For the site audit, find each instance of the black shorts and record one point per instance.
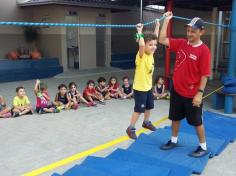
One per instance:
(143, 101)
(182, 107)
(41, 109)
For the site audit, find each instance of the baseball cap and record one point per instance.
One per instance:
(196, 23)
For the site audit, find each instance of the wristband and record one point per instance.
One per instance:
(200, 90)
(138, 36)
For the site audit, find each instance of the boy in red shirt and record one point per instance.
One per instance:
(91, 94)
(191, 71)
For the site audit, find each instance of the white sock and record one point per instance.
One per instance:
(174, 139)
(203, 145)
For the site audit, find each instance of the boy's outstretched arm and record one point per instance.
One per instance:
(156, 31)
(36, 87)
(163, 39)
(141, 41)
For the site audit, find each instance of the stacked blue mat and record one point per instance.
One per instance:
(144, 157)
(28, 69)
(229, 83)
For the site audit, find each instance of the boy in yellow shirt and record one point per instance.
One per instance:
(142, 86)
(21, 103)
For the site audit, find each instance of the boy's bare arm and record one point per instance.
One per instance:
(28, 106)
(141, 41)
(36, 87)
(197, 100)
(101, 90)
(122, 90)
(105, 89)
(156, 31)
(163, 39)
(56, 98)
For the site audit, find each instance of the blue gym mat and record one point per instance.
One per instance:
(55, 174)
(222, 126)
(186, 139)
(190, 130)
(226, 120)
(79, 170)
(124, 155)
(144, 156)
(178, 155)
(123, 168)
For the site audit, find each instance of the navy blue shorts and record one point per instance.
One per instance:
(143, 101)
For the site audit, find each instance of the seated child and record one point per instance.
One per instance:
(76, 97)
(102, 88)
(91, 94)
(114, 88)
(21, 103)
(159, 89)
(5, 111)
(127, 88)
(43, 104)
(62, 99)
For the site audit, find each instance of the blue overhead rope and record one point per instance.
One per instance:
(7, 23)
(209, 23)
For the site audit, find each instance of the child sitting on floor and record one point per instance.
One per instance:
(62, 99)
(5, 111)
(114, 88)
(127, 88)
(91, 94)
(159, 89)
(76, 96)
(102, 88)
(43, 104)
(21, 103)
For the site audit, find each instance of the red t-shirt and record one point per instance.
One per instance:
(192, 62)
(113, 88)
(88, 91)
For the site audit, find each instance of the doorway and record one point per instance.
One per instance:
(101, 41)
(72, 41)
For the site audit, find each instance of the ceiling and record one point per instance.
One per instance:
(128, 4)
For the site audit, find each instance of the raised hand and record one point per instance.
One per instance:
(139, 28)
(168, 15)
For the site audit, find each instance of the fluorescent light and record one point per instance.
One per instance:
(156, 7)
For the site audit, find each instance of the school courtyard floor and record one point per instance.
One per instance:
(35, 141)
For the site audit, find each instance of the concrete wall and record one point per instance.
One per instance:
(53, 40)
(12, 38)
(123, 39)
(88, 37)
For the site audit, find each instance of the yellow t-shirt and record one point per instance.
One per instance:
(17, 101)
(143, 72)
